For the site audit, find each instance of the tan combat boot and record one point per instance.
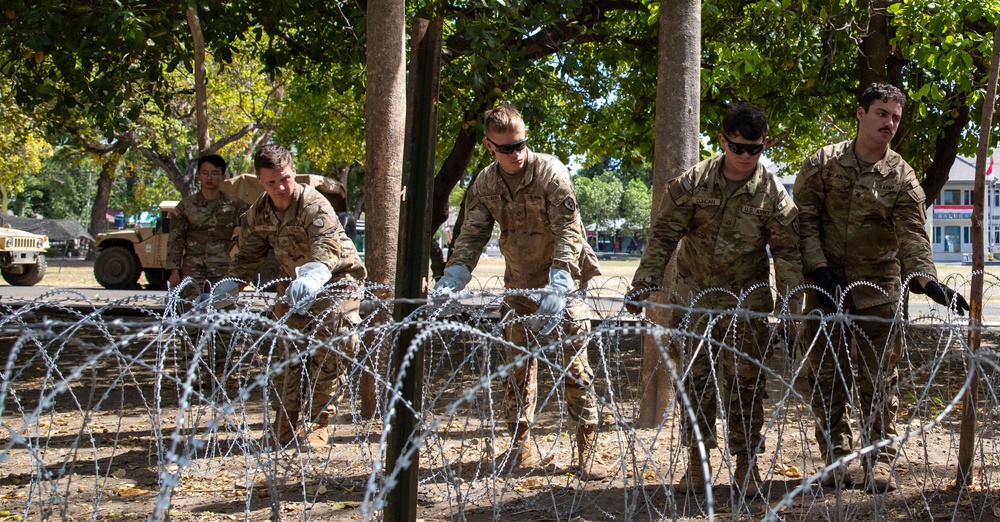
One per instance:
(522, 452)
(747, 478)
(282, 432)
(591, 467)
(693, 480)
(316, 434)
(878, 477)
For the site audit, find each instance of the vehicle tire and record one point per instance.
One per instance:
(156, 278)
(116, 268)
(269, 270)
(31, 276)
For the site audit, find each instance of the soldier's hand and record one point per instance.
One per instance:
(309, 280)
(827, 280)
(943, 295)
(553, 302)
(174, 279)
(640, 292)
(454, 280)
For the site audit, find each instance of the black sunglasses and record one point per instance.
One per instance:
(509, 148)
(739, 148)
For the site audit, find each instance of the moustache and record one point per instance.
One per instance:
(887, 129)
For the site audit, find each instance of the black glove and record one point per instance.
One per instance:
(943, 295)
(827, 280)
(640, 292)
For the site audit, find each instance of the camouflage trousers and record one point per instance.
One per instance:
(733, 363)
(571, 339)
(216, 350)
(313, 382)
(874, 346)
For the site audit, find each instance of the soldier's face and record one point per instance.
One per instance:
(210, 176)
(511, 162)
(742, 155)
(280, 186)
(880, 122)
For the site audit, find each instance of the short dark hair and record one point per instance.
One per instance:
(749, 121)
(883, 92)
(214, 159)
(271, 156)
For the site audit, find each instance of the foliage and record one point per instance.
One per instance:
(599, 199)
(140, 189)
(637, 205)
(22, 150)
(63, 188)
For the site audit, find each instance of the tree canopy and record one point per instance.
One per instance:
(583, 73)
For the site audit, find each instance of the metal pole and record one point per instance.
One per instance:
(412, 262)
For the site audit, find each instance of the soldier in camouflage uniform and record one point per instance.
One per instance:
(544, 245)
(201, 237)
(201, 230)
(860, 209)
(720, 216)
(301, 226)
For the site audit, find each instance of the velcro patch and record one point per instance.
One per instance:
(747, 209)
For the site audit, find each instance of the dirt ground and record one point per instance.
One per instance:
(105, 419)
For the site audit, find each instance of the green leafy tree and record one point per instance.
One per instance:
(22, 149)
(63, 188)
(637, 204)
(599, 199)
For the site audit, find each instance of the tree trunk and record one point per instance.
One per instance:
(200, 79)
(385, 129)
(967, 436)
(99, 212)
(678, 114)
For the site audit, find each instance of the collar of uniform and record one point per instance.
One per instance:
(884, 166)
(750, 187)
(527, 178)
(293, 209)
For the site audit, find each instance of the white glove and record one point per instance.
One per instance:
(309, 279)
(222, 295)
(553, 302)
(454, 279)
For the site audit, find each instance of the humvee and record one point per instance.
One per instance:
(124, 255)
(22, 256)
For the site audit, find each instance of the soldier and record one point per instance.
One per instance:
(542, 240)
(201, 230)
(310, 244)
(860, 209)
(201, 237)
(727, 209)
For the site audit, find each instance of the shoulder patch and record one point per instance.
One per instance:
(318, 222)
(569, 203)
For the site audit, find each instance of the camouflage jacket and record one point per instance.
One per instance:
(859, 222)
(725, 238)
(201, 235)
(308, 231)
(540, 224)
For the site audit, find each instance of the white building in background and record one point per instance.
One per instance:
(949, 220)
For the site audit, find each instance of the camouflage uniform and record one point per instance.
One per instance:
(725, 239)
(540, 227)
(859, 223)
(308, 231)
(201, 236)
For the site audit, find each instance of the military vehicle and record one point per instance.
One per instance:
(22, 256)
(124, 255)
